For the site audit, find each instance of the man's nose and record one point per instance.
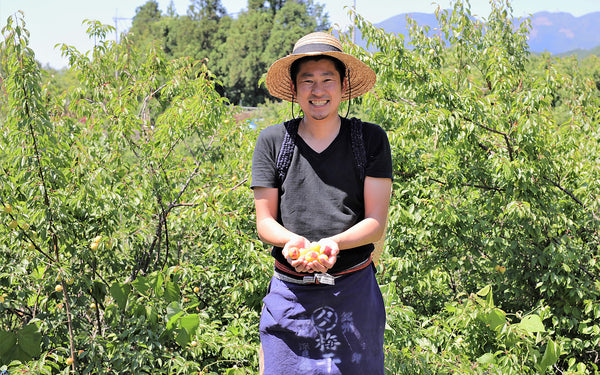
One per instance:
(317, 88)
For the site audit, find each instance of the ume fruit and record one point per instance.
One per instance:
(294, 253)
(313, 253)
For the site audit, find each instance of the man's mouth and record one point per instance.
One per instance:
(319, 102)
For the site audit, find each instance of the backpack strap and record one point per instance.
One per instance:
(286, 152)
(358, 146)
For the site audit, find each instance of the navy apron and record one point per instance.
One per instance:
(324, 329)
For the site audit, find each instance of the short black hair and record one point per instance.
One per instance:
(295, 67)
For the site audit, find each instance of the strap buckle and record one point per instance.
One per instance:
(319, 278)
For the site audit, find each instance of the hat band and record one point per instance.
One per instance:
(315, 47)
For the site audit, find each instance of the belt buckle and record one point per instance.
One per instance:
(320, 278)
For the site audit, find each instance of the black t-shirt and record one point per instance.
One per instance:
(322, 194)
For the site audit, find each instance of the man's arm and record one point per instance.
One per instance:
(377, 193)
(377, 201)
(266, 201)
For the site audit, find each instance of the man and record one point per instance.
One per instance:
(327, 180)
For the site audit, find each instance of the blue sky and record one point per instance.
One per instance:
(60, 21)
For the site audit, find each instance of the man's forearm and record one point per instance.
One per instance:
(273, 233)
(366, 231)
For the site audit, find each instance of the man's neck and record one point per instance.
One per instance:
(319, 129)
(319, 134)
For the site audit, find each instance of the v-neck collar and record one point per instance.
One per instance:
(330, 147)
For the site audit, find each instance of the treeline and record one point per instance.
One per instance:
(238, 50)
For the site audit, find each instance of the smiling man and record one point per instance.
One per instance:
(319, 88)
(321, 182)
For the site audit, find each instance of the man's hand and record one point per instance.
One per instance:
(297, 264)
(322, 264)
(329, 248)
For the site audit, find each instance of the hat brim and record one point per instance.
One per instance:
(361, 78)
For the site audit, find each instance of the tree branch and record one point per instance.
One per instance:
(484, 187)
(570, 194)
(507, 139)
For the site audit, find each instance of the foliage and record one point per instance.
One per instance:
(495, 185)
(127, 230)
(114, 221)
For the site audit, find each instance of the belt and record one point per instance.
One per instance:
(317, 278)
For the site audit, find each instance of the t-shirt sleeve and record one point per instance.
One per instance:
(264, 158)
(379, 155)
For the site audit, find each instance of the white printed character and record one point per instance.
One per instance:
(325, 319)
(328, 342)
(349, 327)
(328, 361)
(356, 357)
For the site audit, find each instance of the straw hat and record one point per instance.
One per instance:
(360, 77)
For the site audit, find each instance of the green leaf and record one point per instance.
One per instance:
(30, 340)
(174, 311)
(532, 324)
(7, 341)
(151, 315)
(142, 285)
(487, 358)
(484, 291)
(22, 346)
(183, 337)
(190, 323)
(550, 356)
(496, 318)
(156, 280)
(172, 292)
(98, 290)
(120, 293)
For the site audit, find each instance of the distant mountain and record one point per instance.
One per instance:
(562, 32)
(581, 53)
(557, 33)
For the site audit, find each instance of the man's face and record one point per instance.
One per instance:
(319, 90)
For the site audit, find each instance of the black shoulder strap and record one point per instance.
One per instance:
(358, 146)
(284, 158)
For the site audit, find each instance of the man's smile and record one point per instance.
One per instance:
(319, 102)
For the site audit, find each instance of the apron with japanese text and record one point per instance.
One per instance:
(324, 329)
